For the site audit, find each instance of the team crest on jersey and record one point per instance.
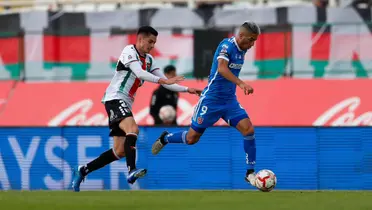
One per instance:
(129, 57)
(200, 120)
(224, 49)
(148, 66)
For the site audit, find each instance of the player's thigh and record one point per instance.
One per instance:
(206, 113)
(119, 146)
(120, 118)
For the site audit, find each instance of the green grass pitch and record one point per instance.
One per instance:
(182, 200)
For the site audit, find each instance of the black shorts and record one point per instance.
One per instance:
(117, 110)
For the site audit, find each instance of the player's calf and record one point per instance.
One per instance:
(182, 137)
(189, 137)
(130, 150)
(129, 126)
(249, 141)
(247, 130)
(104, 159)
(118, 149)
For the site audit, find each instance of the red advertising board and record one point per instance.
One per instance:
(283, 102)
(5, 92)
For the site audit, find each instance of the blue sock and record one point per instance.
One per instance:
(177, 137)
(250, 150)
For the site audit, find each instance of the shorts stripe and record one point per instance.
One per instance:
(197, 108)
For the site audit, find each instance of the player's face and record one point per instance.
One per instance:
(148, 43)
(247, 40)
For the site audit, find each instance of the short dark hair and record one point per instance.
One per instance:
(147, 30)
(169, 69)
(252, 27)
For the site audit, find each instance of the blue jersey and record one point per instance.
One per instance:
(219, 87)
(218, 98)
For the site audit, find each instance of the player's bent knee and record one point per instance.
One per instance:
(192, 138)
(245, 127)
(128, 125)
(247, 131)
(133, 129)
(194, 134)
(129, 128)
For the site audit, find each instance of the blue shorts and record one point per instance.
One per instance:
(207, 112)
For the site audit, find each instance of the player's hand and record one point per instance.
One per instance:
(246, 88)
(171, 81)
(194, 91)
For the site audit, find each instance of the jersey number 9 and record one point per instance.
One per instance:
(204, 110)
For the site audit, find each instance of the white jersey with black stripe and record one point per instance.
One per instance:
(125, 83)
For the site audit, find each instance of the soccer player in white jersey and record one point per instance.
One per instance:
(134, 67)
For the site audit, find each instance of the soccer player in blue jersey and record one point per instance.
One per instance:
(218, 99)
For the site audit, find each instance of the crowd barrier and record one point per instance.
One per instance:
(302, 42)
(303, 158)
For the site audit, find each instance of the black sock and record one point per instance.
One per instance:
(104, 159)
(130, 150)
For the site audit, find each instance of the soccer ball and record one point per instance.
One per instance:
(167, 114)
(265, 180)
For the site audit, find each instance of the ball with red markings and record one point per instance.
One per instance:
(265, 180)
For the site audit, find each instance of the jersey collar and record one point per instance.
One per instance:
(236, 44)
(138, 52)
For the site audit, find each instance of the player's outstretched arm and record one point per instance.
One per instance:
(224, 70)
(176, 87)
(144, 75)
(194, 91)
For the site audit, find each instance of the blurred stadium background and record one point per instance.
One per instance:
(310, 68)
